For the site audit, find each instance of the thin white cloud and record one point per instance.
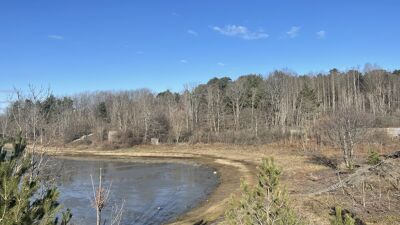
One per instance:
(175, 14)
(184, 61)
(55, 37)
(293, 32)
(192, 32)
(321, 34)
(221, 64)
(240, 32)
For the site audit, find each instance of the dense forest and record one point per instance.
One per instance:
(250, 109)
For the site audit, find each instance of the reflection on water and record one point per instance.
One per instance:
(154, 193)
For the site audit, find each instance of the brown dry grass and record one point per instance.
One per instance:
(301, 175)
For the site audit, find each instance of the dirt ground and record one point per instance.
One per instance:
(306, 174)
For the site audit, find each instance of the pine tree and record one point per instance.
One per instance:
(306, 104)
(101, 112)
(267, 203)
(23, 200)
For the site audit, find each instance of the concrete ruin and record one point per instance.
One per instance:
(112, 136)
(155, 141)
(390, 131)
(393, 132)
(8, 149)
(83, 138)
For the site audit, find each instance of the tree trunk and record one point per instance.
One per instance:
(98, 217)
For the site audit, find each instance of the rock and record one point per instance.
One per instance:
(313, 177)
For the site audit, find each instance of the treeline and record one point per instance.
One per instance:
(250, 109)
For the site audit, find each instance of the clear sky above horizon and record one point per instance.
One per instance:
(86, 45)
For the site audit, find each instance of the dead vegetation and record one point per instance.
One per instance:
(314, 178)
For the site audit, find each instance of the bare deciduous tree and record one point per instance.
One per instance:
(250, 108)
(345, 129)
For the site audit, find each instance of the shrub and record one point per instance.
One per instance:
(373, 158)
(266, 203)
(378, 136)
(121, 139)
(75, 131)
(340, 219)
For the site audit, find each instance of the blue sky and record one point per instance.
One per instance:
(86, 45)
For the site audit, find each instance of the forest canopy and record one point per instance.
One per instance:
(250, 109)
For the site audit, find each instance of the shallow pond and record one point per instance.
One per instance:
(153, 193)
